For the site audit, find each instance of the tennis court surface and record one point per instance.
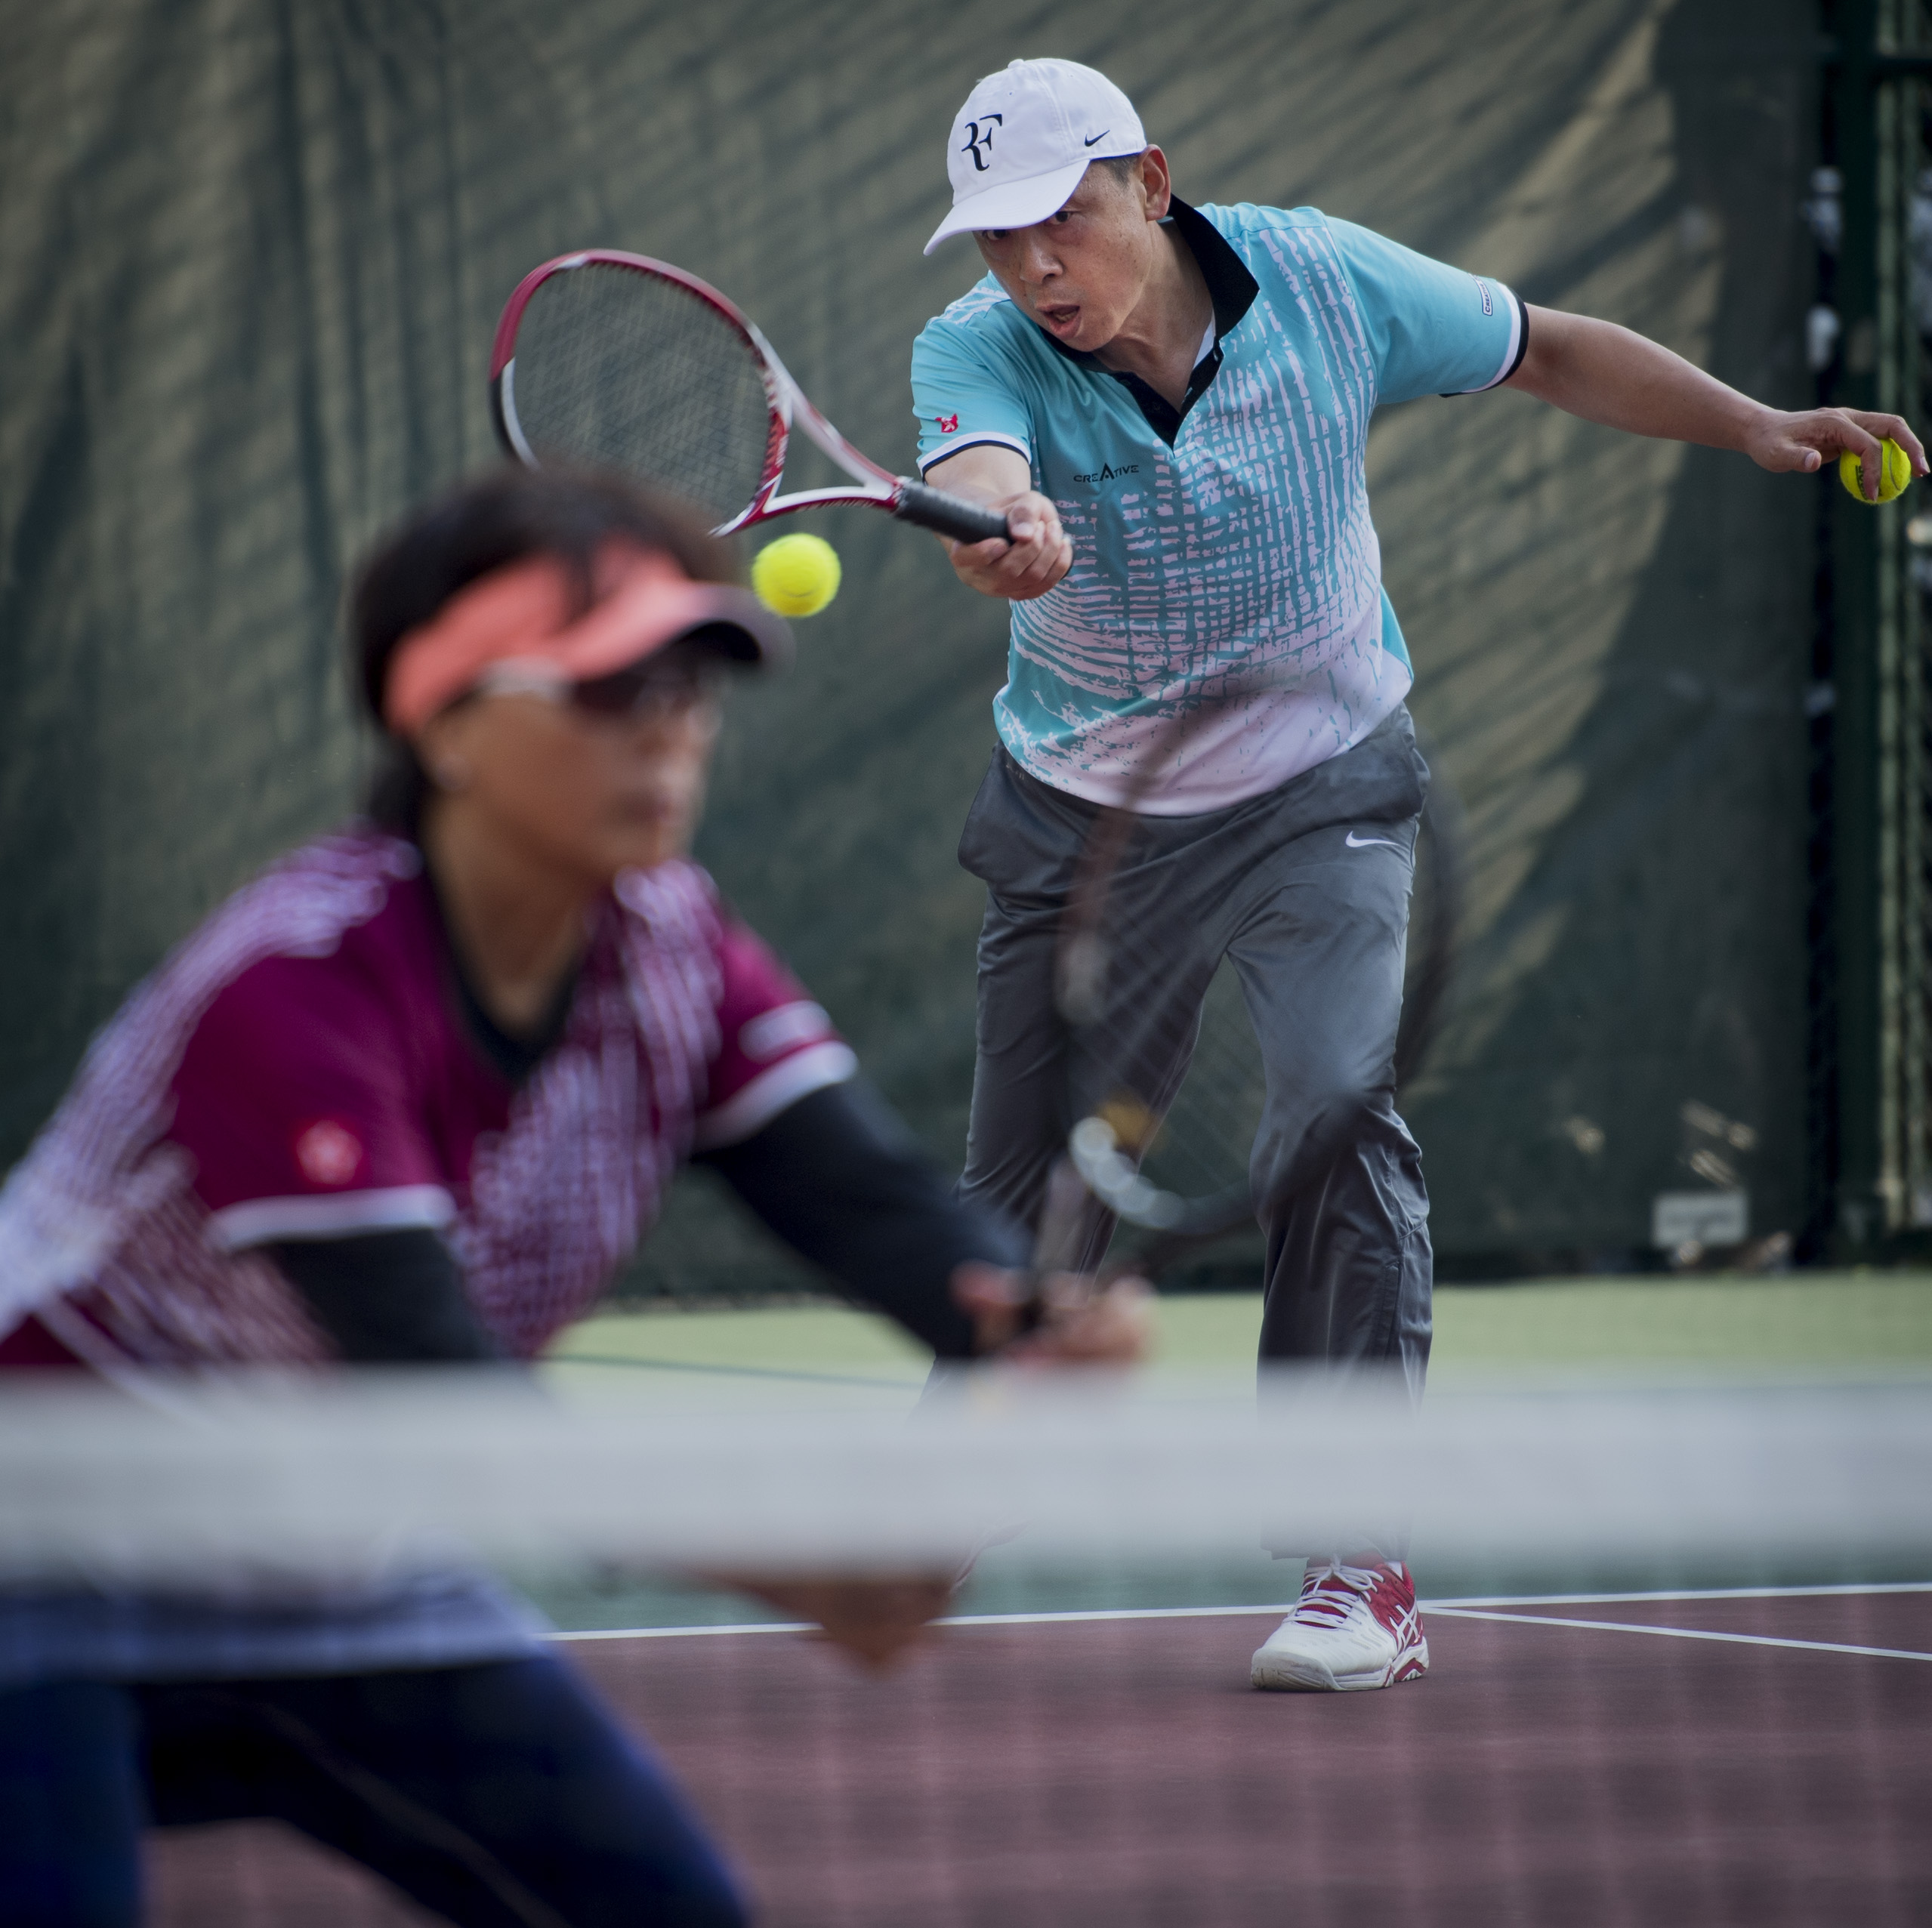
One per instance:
(1749, 1741)
(1120, 1771)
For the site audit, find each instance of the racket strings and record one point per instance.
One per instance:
(1184, 1086)
(1216, 1115)
(1162, 1048)
(1212, 1116)
(1189, 1107)
(1169, 1059)
(618, 368)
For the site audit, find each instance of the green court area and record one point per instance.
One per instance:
(1830, 1321)
(1797, 1327)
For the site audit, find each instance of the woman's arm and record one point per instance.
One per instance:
(841, 1180)
(393, 1298)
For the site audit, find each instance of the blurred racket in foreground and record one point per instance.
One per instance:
(1167, 1116)
(617, 361)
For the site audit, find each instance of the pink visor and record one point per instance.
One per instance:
(525, 612)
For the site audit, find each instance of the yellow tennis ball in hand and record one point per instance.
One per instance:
(1893, 478)
(797, 576)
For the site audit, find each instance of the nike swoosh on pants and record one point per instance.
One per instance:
(1356, 843)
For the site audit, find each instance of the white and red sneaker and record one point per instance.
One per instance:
(1353, 1626)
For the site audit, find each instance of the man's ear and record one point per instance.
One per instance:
(1155, 184)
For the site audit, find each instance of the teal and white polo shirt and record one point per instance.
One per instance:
(1234, 531)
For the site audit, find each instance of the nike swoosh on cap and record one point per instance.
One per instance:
(1092, 137)
(1356, 843)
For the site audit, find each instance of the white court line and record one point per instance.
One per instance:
(687, 1632)
(1692, 1593)
(950, 1620)
(1465, 1610)
(1683, 1633)
(1110, 1613)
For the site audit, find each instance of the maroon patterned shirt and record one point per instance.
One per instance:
(300, 1067)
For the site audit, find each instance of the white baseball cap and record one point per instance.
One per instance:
(1021, 142)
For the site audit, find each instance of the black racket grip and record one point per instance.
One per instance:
(935, 509)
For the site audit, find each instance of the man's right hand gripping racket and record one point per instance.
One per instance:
(617, 361)
(1166, 1110)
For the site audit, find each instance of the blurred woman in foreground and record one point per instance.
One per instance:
(415, 1094)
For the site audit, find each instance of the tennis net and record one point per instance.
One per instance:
(1680, 1633)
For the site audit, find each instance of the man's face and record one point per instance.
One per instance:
(1080, 273)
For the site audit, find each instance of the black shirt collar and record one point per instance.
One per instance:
(1231, 288)
(513, 1057)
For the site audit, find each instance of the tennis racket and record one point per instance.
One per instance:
(617, 361)
(1168, 1107)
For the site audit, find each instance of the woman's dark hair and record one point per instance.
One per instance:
(485, 526)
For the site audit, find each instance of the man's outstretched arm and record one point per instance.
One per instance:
(1606, 374)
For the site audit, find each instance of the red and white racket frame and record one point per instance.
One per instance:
(903, 496)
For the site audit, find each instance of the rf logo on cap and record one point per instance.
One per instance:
(976, 141)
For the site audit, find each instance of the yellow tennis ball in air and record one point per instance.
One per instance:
(797, 576)
(1892, 480)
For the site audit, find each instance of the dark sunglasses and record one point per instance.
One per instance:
(667, 684)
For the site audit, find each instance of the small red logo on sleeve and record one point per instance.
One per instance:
(328, 1153)
(948, 424)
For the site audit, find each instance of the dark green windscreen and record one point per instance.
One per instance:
(251, 257)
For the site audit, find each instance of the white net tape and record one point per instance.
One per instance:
(167, 1481)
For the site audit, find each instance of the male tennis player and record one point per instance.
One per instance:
(414, 1094)
(1172, 404)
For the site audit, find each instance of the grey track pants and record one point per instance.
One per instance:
(1305, 889)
